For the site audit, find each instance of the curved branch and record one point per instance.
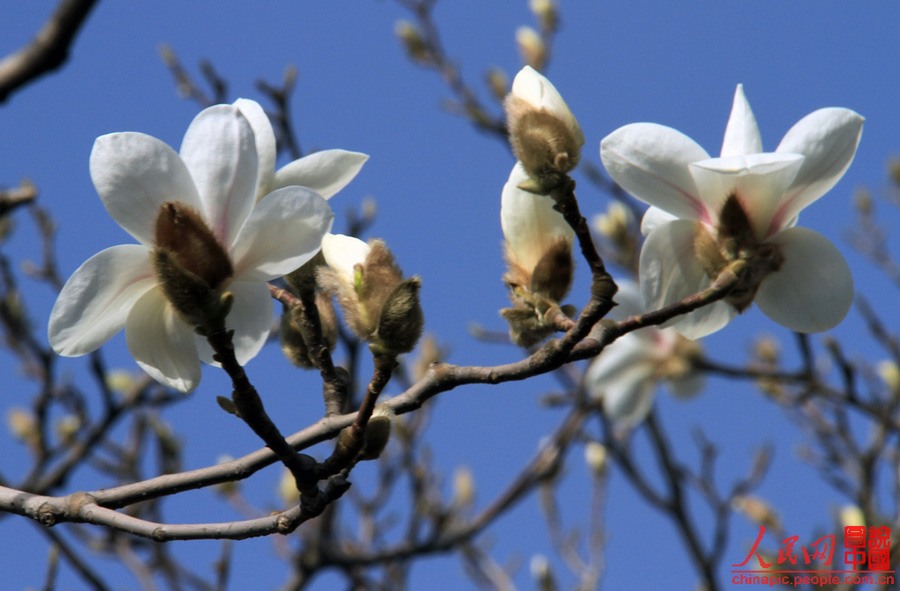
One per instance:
(48, 50)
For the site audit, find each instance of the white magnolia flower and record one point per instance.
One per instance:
(798, 277)
(530, 224)
(626, 374)
(213, 180)
(325, 172)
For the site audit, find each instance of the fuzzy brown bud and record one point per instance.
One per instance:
(189, 262)
(552, 276)
(401, 321)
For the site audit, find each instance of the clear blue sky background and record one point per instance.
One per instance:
(437, 184)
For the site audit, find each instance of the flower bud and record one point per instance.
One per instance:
(463, 487)
(378, 432)
(411, 37)
(287, 489)
(531, 47)
(293, 345)
(851, 515)
(890, 373)
(22, 425)
(547, 13)
(190, 263)
(596, 457)
(542, 573)
(498, 83)
(379, 305)
(757, 510)
(545, 136)
(67, 428)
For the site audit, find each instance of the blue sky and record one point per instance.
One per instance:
(437, 185)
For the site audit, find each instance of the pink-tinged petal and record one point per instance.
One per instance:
(266, 150)
(95, 301)
(529, 222)
(828, 139)
(284, 231)
(220, 151)
(670, 272)
(651, 161)
(134, 174)
(535, 89)
(343, 253)
(742, 133)
(250, 318)
(813, 290)
(622, 377)
(325, 172)
(758, 180)
(653, 218)
(161, 343)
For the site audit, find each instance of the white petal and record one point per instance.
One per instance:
(529, 222)
(220, 151)
(622, 377)
(828, 139)
(742, 133)
(161, 343)
(342, 253)
(250, 319)
(283, 232)
(134, 174)
(325, 172)
(536, 90)
(266, 148)
(95, 301)
(813, 290)
(670, 272)
(653, 218)
(758, 180)
(651, 161)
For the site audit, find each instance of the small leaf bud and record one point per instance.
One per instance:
(287, 489)
(463, 487)
(411, 37)
(227, 405)
(22, 425)
(851, 515)
(546, 12)
(498, 83)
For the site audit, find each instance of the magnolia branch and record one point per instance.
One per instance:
(48, 50)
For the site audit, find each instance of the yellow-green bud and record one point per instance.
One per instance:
(378, 432)
(596, 457)
(531, 47)
(463, 487)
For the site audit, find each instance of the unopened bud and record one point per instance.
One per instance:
(463, 487)
(757, 510)
(544, 135)
(412, 40)
(851, 515)
(596, 457)
(401, 322)
(22, 425)
(497, 82)
(542, 574)
(67, 428)
(378, 432)
(894, 170)
(890, 373)
(120, 381)
(287, 489)
(862, 200)
(767, 350)
(531, 47)
(546, 12)
(303, 280)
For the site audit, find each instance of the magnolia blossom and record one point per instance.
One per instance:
(544, 134)
(626, 374)
(213, 183)
(530, 224)
(740, 206)
(325, 172)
